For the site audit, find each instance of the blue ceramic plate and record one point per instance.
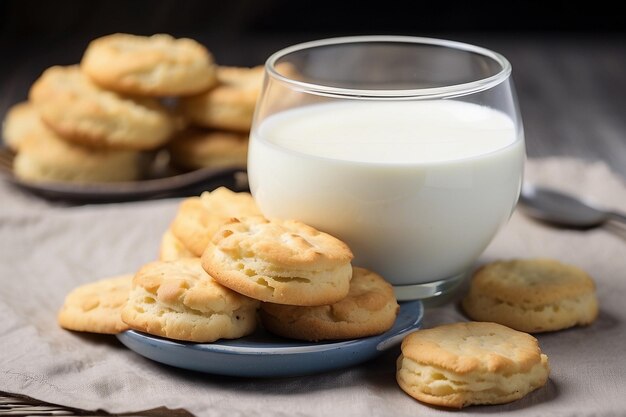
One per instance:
(264, 355)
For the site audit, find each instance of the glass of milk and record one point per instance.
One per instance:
(411, 150)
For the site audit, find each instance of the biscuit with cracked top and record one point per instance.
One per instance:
(198, 218)
(532, 295)
(45, 157)
(230, 105)
(96, 307)
(370, 308)
(157, 65)
(196, 148)
(179, 300)
(279, 261)
(79, 111)
(461, 364)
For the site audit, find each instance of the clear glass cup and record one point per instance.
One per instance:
(409, 149)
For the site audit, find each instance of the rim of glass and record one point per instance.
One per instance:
(453, 90)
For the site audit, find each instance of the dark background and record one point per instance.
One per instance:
(245, 31)
(569, 59)
(252, 17)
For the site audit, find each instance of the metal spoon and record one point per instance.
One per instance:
(564, 210)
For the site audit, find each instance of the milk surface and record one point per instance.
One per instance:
(417, 189)
(395, 132)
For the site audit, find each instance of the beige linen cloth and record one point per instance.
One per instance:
(47, 250)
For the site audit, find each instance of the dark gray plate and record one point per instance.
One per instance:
(162, 181)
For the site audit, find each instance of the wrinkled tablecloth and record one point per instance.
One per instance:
(47, 249)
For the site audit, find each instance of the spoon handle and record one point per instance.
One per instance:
(618, 217)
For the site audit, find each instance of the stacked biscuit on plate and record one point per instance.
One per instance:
(131, 95)
(220, 263)
(219, 120)
(223, 267)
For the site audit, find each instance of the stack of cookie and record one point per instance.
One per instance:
(220, 263)
(219, 121)
(44, 153)
(130, 95)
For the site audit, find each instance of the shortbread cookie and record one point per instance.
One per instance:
(172, 248)
(279, 261)
(199, 148)
(370, 308)
(230, 105)
(157, 65)
(21, 120)
(96, 307)
(198, 218)
(79, 111)
(461, 364)
(533, 295)
(43, 156)
(178, 300)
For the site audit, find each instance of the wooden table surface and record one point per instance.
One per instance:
(572, 93)
(572, 90)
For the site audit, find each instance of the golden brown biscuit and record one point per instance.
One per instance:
(230, 105)
(43, 156)
(279, 261)
(178, 300)
(172, 248)
(157, 65)
(196, 148)
(96, 307)
(461, 364)
(76, 109)
(198, 218)
(21, 120)
(532, 295)
(370, 308)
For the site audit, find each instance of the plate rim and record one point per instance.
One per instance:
(118, 189)
(225, 346)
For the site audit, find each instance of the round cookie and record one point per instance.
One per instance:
(279, 261)
(172, 248)
(533, 295)
(230, 105)
(199, 148)
(178, 300)
(96, 307)
(81, 112)
(21, 120)
(157, 65)
(461, 364)
(198, 218)
(43, 156)
(370, 308)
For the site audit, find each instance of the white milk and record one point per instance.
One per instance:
(417, 189)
